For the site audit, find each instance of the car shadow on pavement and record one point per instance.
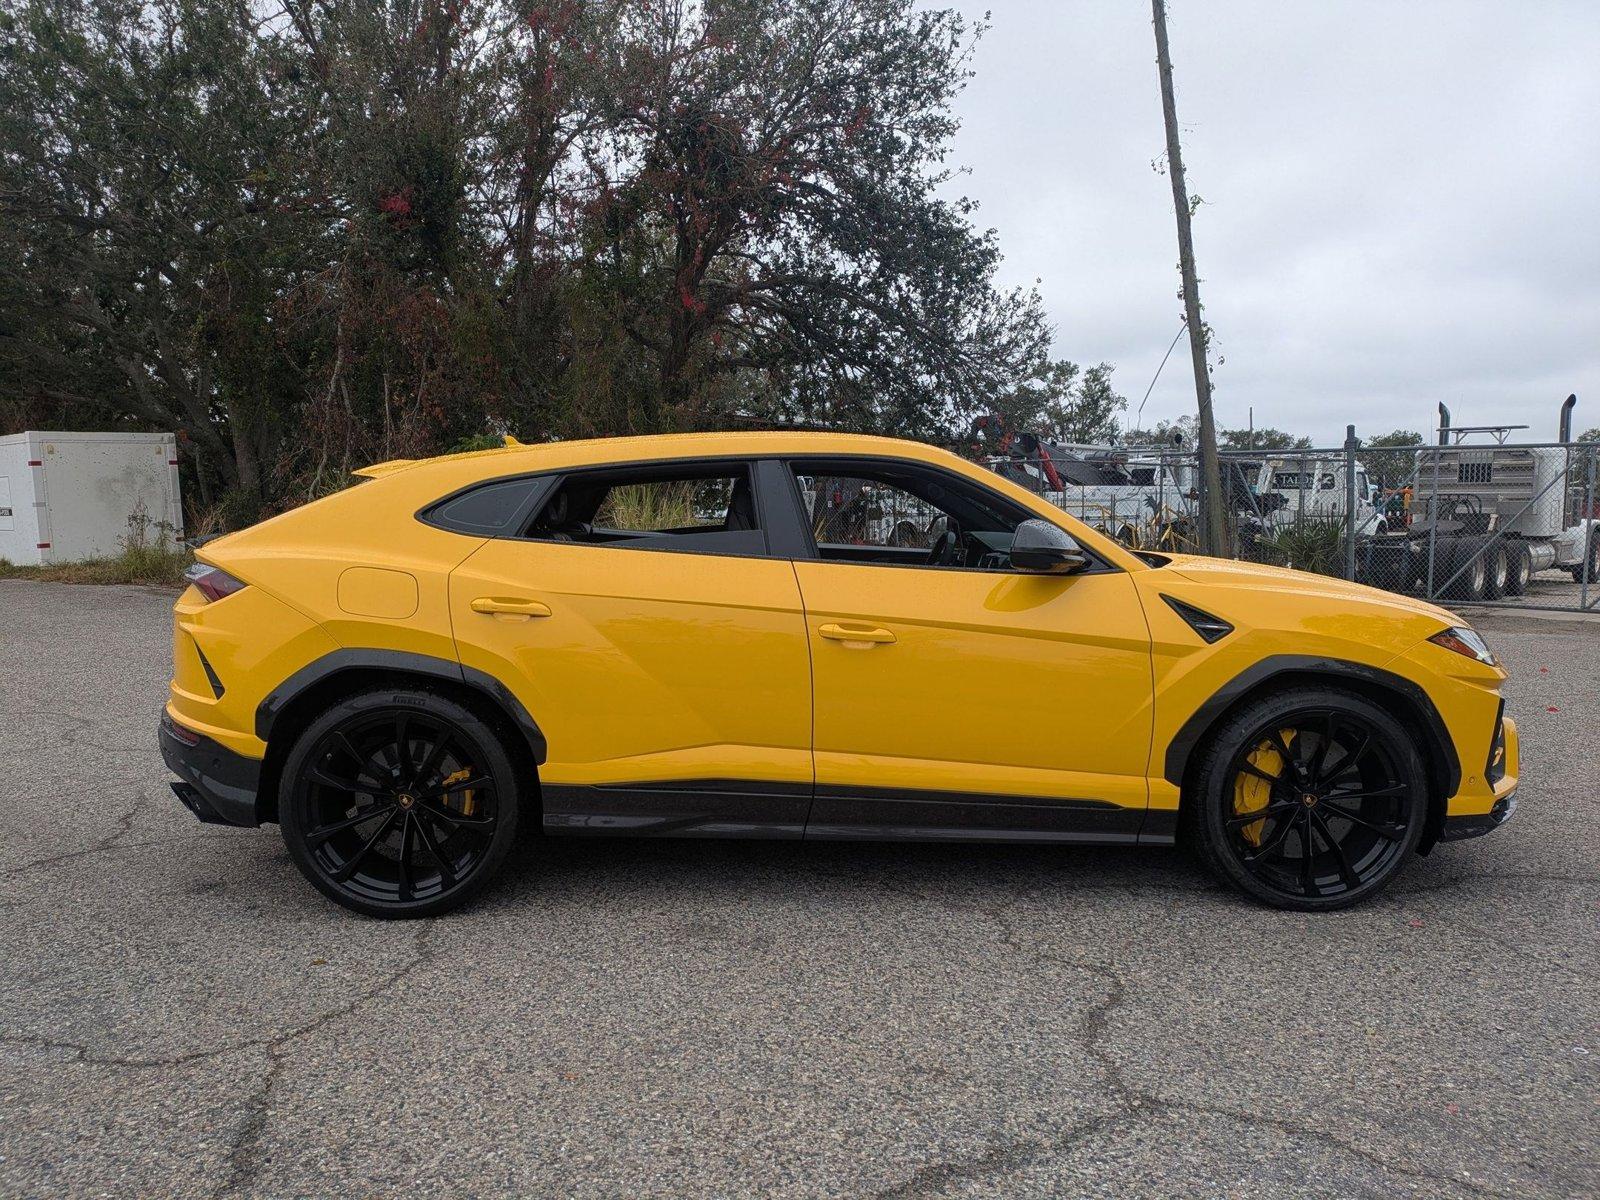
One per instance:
(745, 868)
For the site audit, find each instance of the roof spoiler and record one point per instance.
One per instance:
(378, 470)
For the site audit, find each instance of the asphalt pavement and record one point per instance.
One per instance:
(181, 1014)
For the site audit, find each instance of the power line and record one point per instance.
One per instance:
(1182, 325)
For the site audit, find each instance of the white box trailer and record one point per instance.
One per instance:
(66, 497)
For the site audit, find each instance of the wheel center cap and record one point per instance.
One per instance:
(406, 799)
(1308, 800)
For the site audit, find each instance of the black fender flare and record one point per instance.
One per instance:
(399, 662)
(1333, 670)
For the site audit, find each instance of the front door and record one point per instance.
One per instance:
(663, 655)
(954, 695)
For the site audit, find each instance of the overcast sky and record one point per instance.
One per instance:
(1402, 201)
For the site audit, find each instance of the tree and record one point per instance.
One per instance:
(1262, 439)
(1395, 467)
(1066, 404)
(1591, 435)
(312, 234)
(1180, 432)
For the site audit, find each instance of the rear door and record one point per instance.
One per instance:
(640, 619)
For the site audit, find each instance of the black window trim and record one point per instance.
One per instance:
(792, 463)
(759, 470)
(780, 509)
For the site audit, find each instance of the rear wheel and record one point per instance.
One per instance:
(1591, 560)
(1520, 569)
(1497, 571)
(399, 803)
(1465, 571)
(1308, 799)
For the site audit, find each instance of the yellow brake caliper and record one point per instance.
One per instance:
(1251, 792)
(464, 800)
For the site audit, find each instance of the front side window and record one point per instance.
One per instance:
(905, 517)
(711, 509)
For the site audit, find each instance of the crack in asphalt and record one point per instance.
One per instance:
(124, 825)
(182, 839)
(422, 953)
(1134, 1105)
(245, 1157)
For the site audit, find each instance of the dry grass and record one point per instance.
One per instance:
(148, 556)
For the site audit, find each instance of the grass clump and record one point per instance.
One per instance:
(149, 555)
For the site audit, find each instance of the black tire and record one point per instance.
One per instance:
(1592, 559)
(1497, 571)
(1463, 556)
(427, 842)
(1363, 818)
(1520, 569)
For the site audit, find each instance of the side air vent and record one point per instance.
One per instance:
(1210, 629)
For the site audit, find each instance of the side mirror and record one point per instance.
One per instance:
(1040, 546)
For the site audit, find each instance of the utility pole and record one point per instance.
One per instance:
(1213, 512)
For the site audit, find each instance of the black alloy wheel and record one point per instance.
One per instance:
(1311, 799)
(398, 804)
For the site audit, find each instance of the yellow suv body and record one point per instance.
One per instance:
(802, 635)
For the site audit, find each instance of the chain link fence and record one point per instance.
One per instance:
(1461, 523)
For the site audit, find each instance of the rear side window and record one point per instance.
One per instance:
(710, 508)
(488, 510)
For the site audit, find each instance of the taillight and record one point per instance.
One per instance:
(213, 584)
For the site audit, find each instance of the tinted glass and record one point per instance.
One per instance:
(708, 509)
(488, 509)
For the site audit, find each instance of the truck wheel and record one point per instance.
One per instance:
(1465, 563)
(1497, 571)
(1591, 560)
(1521, 569)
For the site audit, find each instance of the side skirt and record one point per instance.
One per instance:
(735, 808)
(709, 808)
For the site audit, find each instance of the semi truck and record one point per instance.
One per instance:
(1487, 515)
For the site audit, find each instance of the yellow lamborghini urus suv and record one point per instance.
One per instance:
(801, 635)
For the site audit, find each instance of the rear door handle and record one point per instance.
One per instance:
(500, 606)
(860, 637)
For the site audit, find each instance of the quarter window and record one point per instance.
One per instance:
(486, 510)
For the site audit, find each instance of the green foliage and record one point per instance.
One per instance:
(1260, 439)
(1182, 432)
(149, 555)
(1311, 542)
(317, 236)
(1394, 468)
(1065, 403)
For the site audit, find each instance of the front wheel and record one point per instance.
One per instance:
(1309, 799)
(398, 803)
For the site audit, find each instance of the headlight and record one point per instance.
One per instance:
(1465, 641)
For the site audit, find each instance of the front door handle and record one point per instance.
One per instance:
(856, 637)
(519, 610)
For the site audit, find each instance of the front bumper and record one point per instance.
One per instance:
(1478, 824)
(1501, 772)
(219, 786)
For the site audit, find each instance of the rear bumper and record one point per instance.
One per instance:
(219, 786)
